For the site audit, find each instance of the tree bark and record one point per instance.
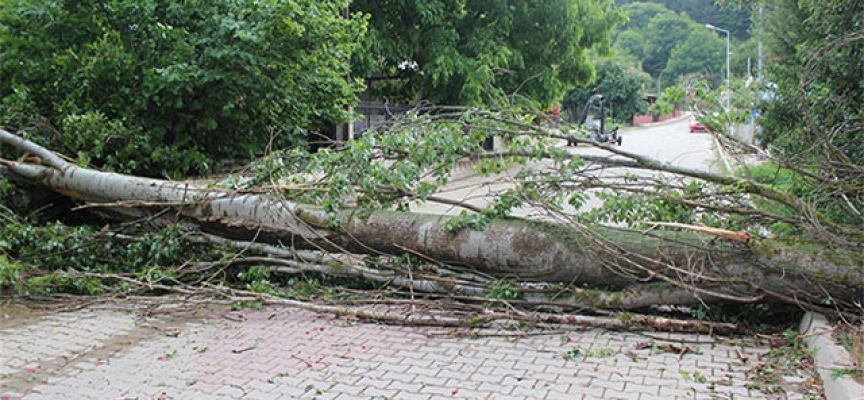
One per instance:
(713, 268)
(541, 251)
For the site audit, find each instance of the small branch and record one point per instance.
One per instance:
(628, 322)
(741, 237)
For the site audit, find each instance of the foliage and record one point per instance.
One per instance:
(504, 290)
(629, 44)
(812, 116)
(12, 198)
(671, 98)
(816, 109)
(11, 272)
(802, 187)
(672, 42)
(163, 88)
(696, 376)
(734, 18)
(420, 160)
(700, 54)
(640, 13)
(257, 279)
(576, 352)
(50, 258)
(744, 59)
(663, 33)
(454, 52)
(621, 87)
(791, 358)
(622, 207)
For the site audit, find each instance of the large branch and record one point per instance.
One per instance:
(256, 212)
(507, 248)
(543, 251)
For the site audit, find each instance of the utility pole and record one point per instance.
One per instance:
(759, 47)
(728, 88)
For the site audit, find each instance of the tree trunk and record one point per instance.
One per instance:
(715, 269)
(541, 251)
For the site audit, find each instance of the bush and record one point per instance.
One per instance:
(161, 88)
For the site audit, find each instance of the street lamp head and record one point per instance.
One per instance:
(712, 27)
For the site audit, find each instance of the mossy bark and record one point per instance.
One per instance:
(507, 248)
(539, 251)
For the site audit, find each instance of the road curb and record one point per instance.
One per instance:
(463, 169)
(722, 154)
(828, 357)
(682, 117)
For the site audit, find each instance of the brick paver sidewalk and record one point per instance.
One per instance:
(286, 353)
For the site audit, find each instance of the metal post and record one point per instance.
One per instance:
(728, 75)
(728, 89)
(759, 33)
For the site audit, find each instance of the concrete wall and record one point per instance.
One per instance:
(651, 118)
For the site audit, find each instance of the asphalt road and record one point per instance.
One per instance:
(669, 142)
(672, 143)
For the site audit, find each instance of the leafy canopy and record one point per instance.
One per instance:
(701, 54)
(160, 87)
(672, 42)
(813, 116)
(816, 113)
(453, 52)
(664, 32)
(735, 19)
(639, 14)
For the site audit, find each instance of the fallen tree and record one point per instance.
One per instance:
(550, 262)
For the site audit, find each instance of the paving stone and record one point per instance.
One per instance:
(471, 394)
(530, 393)
(495, 389)
(591, 392)
(482, 377)
(259, 395)
(299, 354)
(637, 388)
(430, 380)
(230, 391)
(375, 392)
(411, 396)
(404, 386)
(609, 384)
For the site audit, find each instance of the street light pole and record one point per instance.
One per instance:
(728, 90)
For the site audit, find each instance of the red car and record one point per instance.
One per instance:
(697, 126)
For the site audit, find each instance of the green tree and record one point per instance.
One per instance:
(631, 43)
(811, 102)
(663, 33)
(160, 87)
(701, 54)
(736, 18)
(639, 14)
(453, 52)
(818, 51)
(620, 84)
